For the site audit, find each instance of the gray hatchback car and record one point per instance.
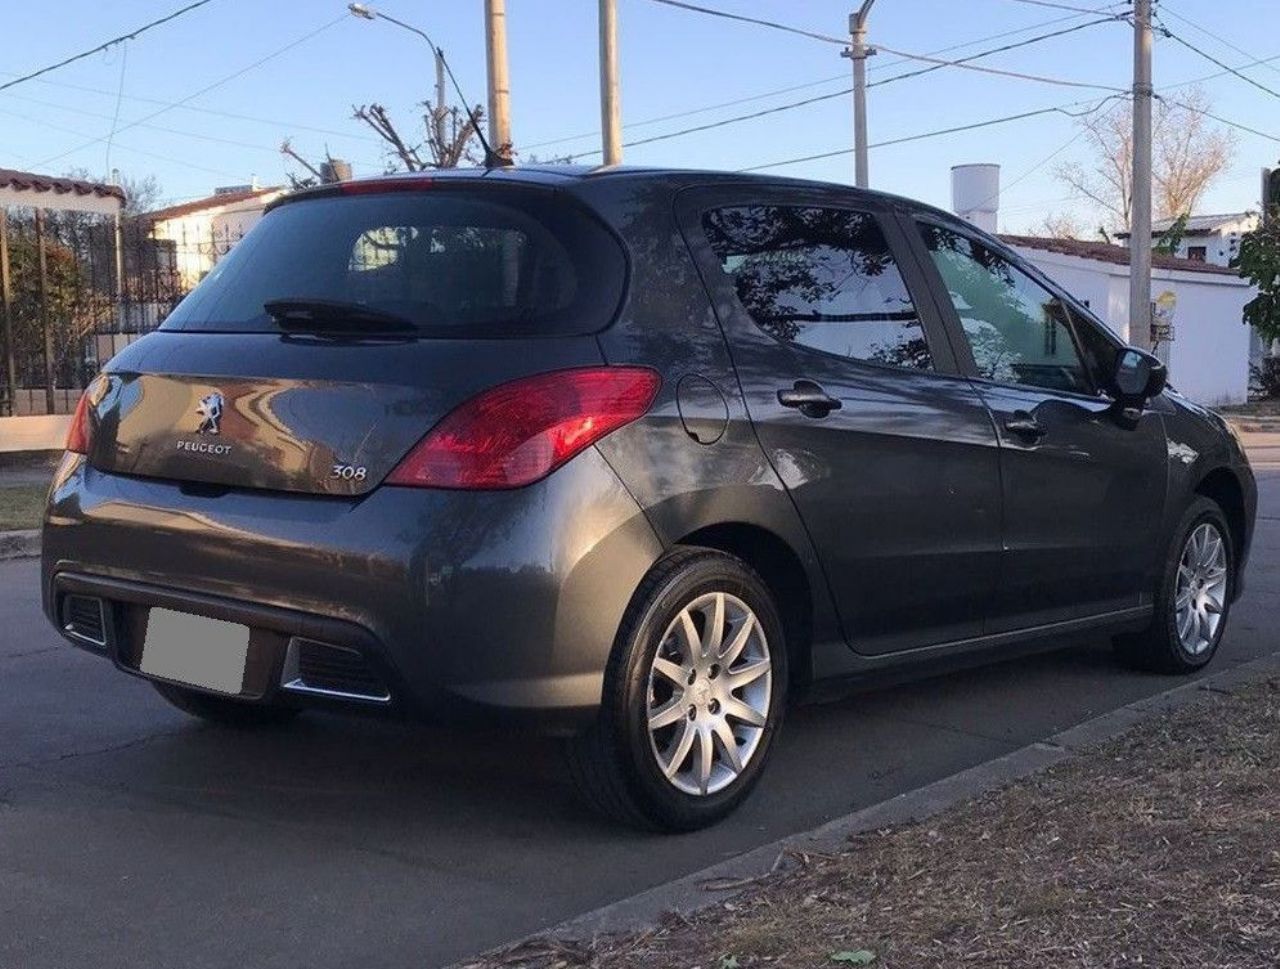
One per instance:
(639, 454)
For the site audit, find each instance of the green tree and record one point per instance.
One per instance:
(1259, 262)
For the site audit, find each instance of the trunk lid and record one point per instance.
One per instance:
(288, 413)
(350, 320)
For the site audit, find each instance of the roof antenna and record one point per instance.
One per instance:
(491, 158)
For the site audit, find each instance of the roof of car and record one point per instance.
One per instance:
(553, 175)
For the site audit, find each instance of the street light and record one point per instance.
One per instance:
(366, 12)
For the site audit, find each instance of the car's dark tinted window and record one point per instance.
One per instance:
(453, 261)
(821, 278)
(1020, 333)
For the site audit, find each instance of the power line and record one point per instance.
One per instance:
(204, 90)
(995, 50)
(848, 90)
(43, 123)
(273, 122)
(106, 44)
(993, 70)
(1218, 37)
(956, 129)
(752, 20)
(1062, 6)
(843, 76)
(199, 135)
(1213, 77)
(722, 122)
(1226, 121)
(1227, 67)
(115, 116)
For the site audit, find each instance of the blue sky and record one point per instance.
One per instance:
(672, 61)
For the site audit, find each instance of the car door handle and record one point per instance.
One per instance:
(809, 399)
(1024, 425)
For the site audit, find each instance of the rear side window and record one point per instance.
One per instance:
(820, 278)
(452, 261)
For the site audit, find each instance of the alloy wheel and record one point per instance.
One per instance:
(1201, 592)
(710, 686)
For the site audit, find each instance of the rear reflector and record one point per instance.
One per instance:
(78, 432)
(519, 432)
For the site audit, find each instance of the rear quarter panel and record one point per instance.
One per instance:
(722, 476)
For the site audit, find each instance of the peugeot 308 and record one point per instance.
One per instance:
(640, 454)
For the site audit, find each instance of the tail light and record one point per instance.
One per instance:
(78, 432)
(519, 432)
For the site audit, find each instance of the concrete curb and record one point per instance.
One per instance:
(697, 891)
(19, 545)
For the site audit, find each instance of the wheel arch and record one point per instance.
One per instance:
(1221, 486)
(783, 571)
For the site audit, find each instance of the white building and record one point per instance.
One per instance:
(1213, 239)
(201, 232)
(1200, 299)
(1208, 357)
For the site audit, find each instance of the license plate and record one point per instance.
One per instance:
(195, 650)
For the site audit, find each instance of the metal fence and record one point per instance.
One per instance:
(81, 287)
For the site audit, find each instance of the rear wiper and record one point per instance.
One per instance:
(307, 314)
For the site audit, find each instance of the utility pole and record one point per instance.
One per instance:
(610, 91)
(1140, 207)
(441, 110)
(495, 36)
(858, 52)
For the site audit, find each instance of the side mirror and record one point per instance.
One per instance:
(1139, 376)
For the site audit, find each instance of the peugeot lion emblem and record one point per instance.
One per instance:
(209, 411)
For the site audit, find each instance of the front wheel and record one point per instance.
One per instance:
(693, 696)
(1194, 597)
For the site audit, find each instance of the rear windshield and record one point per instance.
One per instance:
(452, 261)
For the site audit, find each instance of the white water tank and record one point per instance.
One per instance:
(975, 194)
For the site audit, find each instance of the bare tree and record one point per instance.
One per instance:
(315, 176)
(1188, 153)
(140, 194)
(446, 142)
(1059, 225)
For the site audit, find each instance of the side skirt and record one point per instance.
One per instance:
(836, 670)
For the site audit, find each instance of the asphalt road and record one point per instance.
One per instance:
(132, 836)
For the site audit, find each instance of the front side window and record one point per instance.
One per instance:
(821, 278)
(1020, 333)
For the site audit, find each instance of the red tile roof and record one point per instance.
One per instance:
(1116, 255)
(212, 202)
(31, 182)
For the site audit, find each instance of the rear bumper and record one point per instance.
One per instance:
(460, 603)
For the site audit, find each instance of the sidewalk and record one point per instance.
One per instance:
(1154, 848)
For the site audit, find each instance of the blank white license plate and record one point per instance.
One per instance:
(196, 650)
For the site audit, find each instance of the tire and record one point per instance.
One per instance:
(1166, 646)
(640, 777)
(224, 711)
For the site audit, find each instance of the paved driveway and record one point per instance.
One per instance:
(132, 836)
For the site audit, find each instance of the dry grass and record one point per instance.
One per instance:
(22, 506)
(1160, 849)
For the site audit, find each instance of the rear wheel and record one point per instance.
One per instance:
(225, 711)
(693, 696)
(1194, 597)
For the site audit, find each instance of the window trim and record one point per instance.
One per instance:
(694, 202)
(964, 352)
